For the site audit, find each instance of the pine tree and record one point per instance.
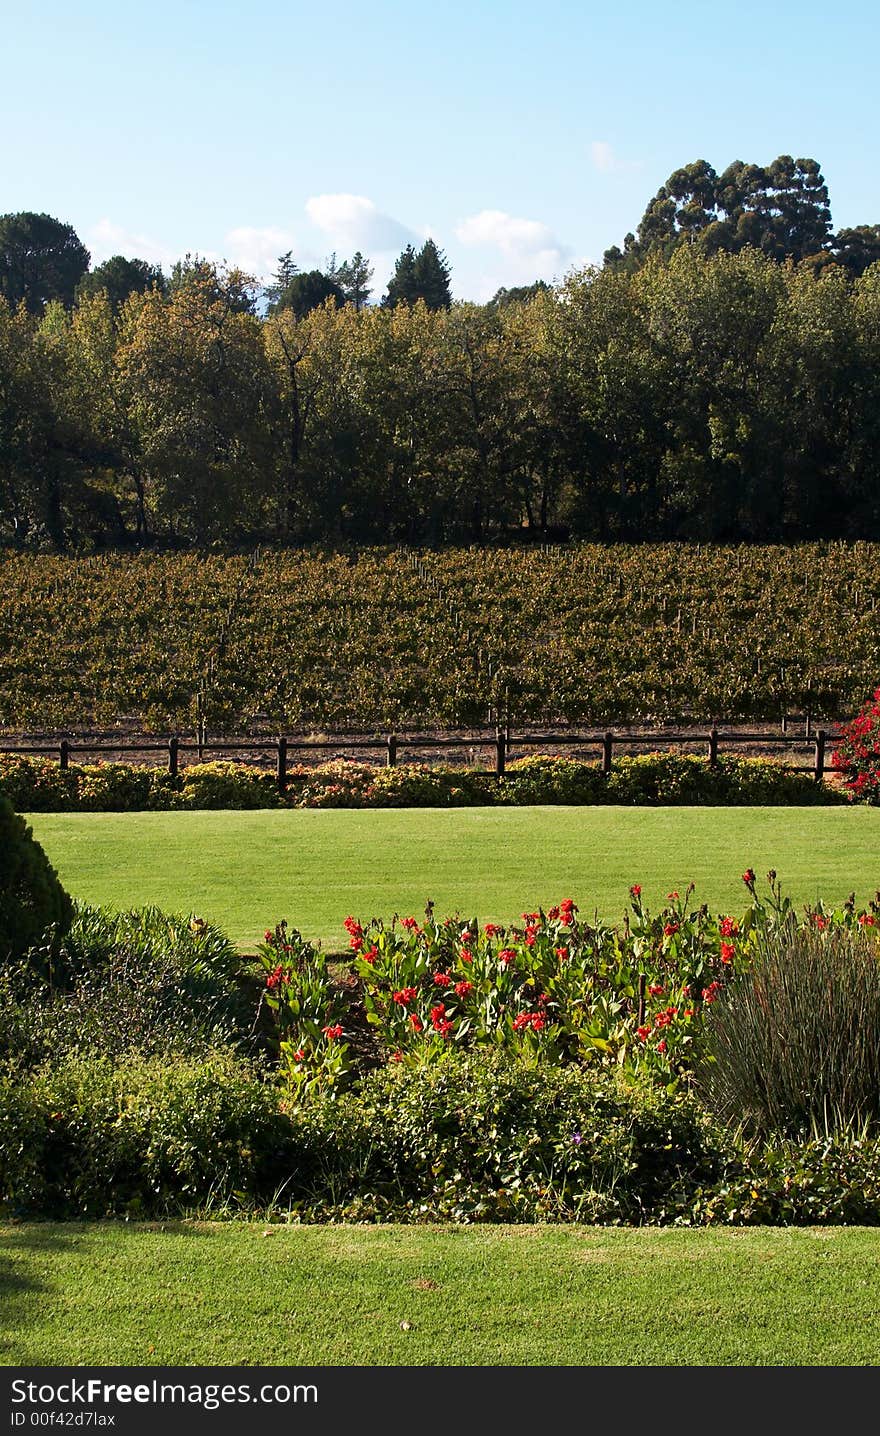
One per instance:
(432, 276)
(423, 275)
(402, 284)
(280, 279)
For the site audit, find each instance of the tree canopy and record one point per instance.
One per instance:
(41, 259)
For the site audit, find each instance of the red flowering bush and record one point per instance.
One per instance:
(308, 1008)
(857, 754)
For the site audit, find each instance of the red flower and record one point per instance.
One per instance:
(370, 956)
(867, 919)
(404, 996)
(397, 1056)
(299, 1055)
(539, 1022)
(656, 989)
(671, 929)
(672, 897)
(819, 921)
(442, 979)
(275, 976)
(643, 1033)
(463, 988)
(562, 953)
(727, 951)
(355, 932)
(506, 956)
(331, 1033)
(661, 1045)
(711, 992)
(268, 936)
(636, 890)
(689, 1012)
(749, 877)
(491, 930)
(411, 924)
(727, 927)
(467, 936)
(416, 1021)
(465, 956)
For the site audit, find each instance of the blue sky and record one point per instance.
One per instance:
(524, 137)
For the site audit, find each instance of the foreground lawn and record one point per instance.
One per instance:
(244, 871)
(230, 1294)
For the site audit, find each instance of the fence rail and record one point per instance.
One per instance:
(501, 740)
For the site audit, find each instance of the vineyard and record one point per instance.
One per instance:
(384, 639)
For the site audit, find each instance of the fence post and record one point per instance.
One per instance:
(392, 751)
(713, 748)
(607, 751)
(500, 752)
(173, 746)
(64, 755)
(281, 765)
(819, 770)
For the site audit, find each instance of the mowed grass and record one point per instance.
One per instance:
(244, 871)
(245, 1294)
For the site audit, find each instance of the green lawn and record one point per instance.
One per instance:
(231, 1294)
(244, 871)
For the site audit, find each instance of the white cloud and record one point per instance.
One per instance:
(257, 251)
(607, 162)
(351, 221)
(526, 248)
(604, 158)
(105, 239)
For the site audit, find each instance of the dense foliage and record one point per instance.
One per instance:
(716, 397)
(32, 899)
(115, 1104)
(858, 752)
(39, 785)
(396, 638)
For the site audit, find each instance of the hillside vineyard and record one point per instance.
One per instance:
(390, 639)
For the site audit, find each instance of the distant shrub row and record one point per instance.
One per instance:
(40, 785)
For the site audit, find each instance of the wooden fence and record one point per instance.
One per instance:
(501, 741)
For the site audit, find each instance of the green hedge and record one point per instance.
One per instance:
(474, 1139)
(38, 785)
(32, 899)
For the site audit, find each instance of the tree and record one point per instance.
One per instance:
(353, 277)
(121, 277)
(306, 292)
(857, 249)
(193, 380)
(280, 280)
(781, 209)
(236, 290)
(41, 259)
(519, 294)
(423, 275)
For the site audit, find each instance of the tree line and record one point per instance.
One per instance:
(690, 390)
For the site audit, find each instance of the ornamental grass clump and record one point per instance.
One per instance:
(794, 1047)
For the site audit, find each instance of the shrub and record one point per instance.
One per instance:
(32, 899)
(795, 1042)
(227, 785)
(489, 1137)
(144, 981)
(538, 779)
(858, 752)
(39, 785)
(87, 1138)
(831, 1179)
